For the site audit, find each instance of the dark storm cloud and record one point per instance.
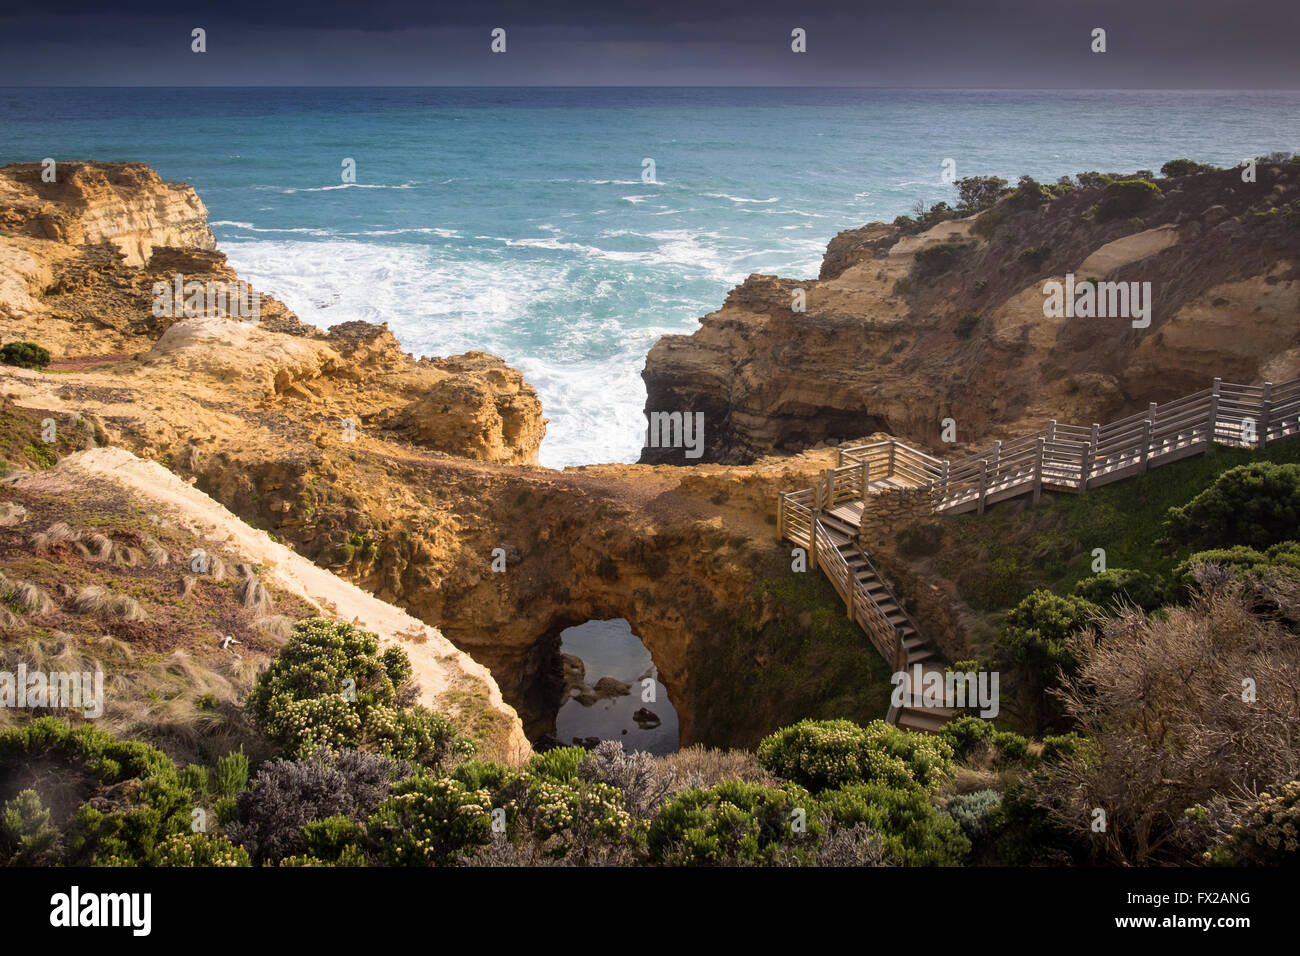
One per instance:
(934, 43)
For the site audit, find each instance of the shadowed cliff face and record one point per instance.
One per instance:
(885, 342)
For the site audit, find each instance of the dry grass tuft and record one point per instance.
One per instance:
(101, 602)
(252, 593)
(277, 627)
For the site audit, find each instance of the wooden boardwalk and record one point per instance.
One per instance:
(824, 519)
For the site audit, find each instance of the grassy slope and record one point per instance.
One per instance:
(999, 557)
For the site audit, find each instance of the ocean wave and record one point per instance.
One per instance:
(325, 189)
(741, 199)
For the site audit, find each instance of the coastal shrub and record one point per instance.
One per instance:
(131, 828)
(559, 764)
(734, 823)
(27, 837)
(913, 831)
(286, 795)
(978, 193)
(1238, 561)
(430, 821)
(24, 355)
(1186, 167)
(644, 782)
(1011, 748)
(1123, 198)
(98, 755)
(564, 816)
(1035, 256)
(1028, 194)
(966, 325)
(1115, 586)
(821, 755)
(964, 734)
(937, 259)
(330, 686)
(1026, 833)
(199, 849)
(335, 841)
(972, 811)
(1034, 644)
(1061, 747)
(1091, 179)
(1257, 505)
(1268, 833)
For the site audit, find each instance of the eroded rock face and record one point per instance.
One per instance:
(481, 408)
(125, 204)
(885, 341)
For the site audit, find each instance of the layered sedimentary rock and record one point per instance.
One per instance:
(902, 331)
(417, 479)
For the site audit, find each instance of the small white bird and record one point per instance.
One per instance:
(227, 641)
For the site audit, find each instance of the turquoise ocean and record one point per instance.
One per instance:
(520, 221)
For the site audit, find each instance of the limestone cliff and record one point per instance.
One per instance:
(405, 477)
(902, 331)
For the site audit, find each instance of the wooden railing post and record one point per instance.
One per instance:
(1038, 472)
(866, 482)
(812, 538)
(1146, 443)
(892, 447)
(943, 494)
(1265, 413)
(984, 484)
(1051, 430)
(1151, 415)
(997, 456)
(1089, 457)
(839, 456)
(830, 489)
(1214, 410)
(780, 516)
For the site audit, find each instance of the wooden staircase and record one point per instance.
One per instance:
(1064, 458)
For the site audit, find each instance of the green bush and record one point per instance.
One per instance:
(978, 193)
(733, 823)
(24, 355)
(1012, 748)
(966, 325)
(964, 734)
(560, 764)
(300, 700)
(937, 259)
(1256, 505)
(199, 849)
(1034, 644)
(1116, 586)
(1268, 834)
(972, 811)
(821, 755)
(1240, 559)
(1186, 167)
(430, 822)
(1035, 256)
(914, 832)
(1062, 747)
(27, 838)
(1123, 198)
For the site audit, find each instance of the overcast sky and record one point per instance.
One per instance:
(1029, 44)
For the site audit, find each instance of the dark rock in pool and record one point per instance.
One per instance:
(611, 687)
(646, 718)
(590, 743)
